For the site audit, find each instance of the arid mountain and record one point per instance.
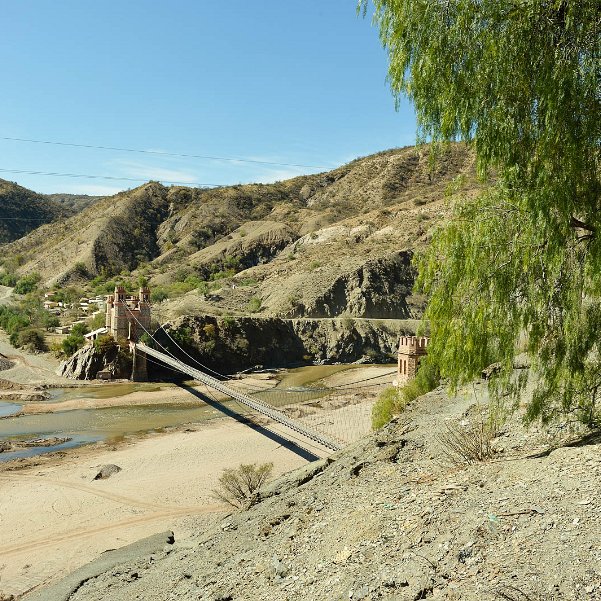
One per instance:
(335, 243)
(22, 210)
(74, 203)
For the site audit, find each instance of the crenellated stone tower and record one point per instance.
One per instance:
(127, 318)
(411, 350)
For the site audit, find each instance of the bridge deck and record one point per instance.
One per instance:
(246, 400)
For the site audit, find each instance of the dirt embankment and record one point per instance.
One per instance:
(389, 518)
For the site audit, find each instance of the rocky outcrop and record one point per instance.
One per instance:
(379, 289)
(88, 361)
(230, 344)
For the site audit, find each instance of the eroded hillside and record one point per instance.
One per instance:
(324, 245)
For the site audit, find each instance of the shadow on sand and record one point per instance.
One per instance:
(286, 443)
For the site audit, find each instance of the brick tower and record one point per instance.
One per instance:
(411, 350)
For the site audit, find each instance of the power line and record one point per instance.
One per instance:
(162, 153)
(109, 177)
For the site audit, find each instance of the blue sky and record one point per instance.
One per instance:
(301, 81)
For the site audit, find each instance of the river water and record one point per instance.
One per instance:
(115, 423)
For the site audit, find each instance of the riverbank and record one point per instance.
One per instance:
(56, 517)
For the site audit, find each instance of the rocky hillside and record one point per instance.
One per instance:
(115, 233)
(75, 203)
(336, 243)
(22, 211)
(233, 344)
(393, 518)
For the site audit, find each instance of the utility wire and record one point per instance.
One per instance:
(108, 177)
(162, 153)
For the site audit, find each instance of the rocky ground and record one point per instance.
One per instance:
(392, 517)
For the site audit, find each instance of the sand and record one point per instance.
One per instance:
(55, 518)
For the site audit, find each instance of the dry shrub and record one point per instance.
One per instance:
(237, 486)
(467, 443)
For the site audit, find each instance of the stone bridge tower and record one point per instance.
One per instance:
(411, 350)
(127, 318)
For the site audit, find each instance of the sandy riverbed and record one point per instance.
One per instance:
(55, 517)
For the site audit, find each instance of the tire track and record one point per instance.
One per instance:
(78, 533)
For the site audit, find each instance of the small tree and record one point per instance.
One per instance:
(105, 343)
(238, 486)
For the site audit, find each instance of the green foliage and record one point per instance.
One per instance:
(519, 268)
(72, 343)
(81, 269)
(105, 343)
(8, 279)
(13, 319)
(27, 283)
(183, 335)
(238, 486)
(49, 321)
(96, 322)
(79, 329)
(254, 304)
(388, 404)
(32, 340)
(158, 294)
(393, 400)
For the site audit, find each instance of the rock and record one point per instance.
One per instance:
(240, 343)
(88, 361)
(106, 471)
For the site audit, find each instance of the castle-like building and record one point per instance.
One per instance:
(128, 317)
(411, 350)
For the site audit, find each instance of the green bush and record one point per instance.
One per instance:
(254, 304)
(79, 329)
(389, 403)
(392, 401)
(26, 284)
(72, 343)
(158, 294)
(32, 340)
(50, 321)
(98, 321)
(8, 279)
(105, 343)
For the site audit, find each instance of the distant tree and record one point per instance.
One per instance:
(519, 268)
(27, 283)
(105, 343)
(79, 329)
(32, 340)
(50, 321)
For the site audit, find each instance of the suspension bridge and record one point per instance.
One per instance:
(245, 399)
(346, 416)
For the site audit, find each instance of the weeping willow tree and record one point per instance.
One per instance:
(519, 268)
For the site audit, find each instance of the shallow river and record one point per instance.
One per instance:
(114, 423)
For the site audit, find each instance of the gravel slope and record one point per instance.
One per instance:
(388, 518)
